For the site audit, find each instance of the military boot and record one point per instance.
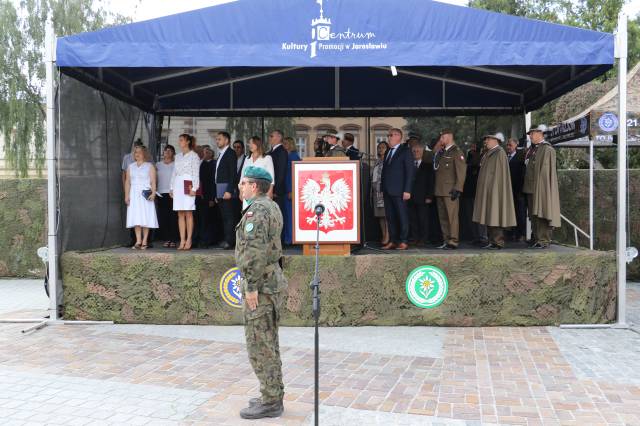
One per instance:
(260, 410)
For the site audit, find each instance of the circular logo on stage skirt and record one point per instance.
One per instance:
(608, 122)
(230, 287)
(427, 286)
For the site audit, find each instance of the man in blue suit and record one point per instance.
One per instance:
(397, 179)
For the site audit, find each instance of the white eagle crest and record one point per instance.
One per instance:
(335, 198)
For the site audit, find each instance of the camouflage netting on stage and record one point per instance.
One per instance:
(23, 228)
(488, 289)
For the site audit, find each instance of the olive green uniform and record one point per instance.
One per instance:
(541, 188)
(450, 170)
(336, 151)
(258, 250)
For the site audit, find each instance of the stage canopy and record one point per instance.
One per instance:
(331, 57)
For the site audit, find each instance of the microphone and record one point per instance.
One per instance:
(319, 209)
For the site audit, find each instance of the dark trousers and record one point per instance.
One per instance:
(419, 221)
(534, 234)
(204, 217)
(167, 219)
(397, 213)
(227, 211)
(281, 201)
(520, 206)
(435, 233)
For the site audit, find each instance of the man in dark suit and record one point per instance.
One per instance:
(517, 169)
(238, 147)
(279, 156)
(349, 149)
(421, 196)
(226, 188)
(397, 178)
(205, 202)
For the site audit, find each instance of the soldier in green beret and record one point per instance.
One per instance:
(258, 251)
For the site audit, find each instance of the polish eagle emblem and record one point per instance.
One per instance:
(334, 197)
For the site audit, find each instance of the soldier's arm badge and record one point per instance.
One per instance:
(248, 227)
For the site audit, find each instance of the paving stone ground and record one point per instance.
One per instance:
(80, 374)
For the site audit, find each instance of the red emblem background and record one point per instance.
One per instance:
(334, 175)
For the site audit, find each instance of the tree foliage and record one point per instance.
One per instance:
(245, 127)
(22, 69)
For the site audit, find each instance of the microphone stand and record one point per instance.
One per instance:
(315, 287)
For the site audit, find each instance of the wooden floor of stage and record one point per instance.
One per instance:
(370, 249)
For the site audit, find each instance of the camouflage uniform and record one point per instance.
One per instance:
(258, 250)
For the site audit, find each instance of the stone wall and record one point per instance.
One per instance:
(506, 289)
(574, 201)
(22, 226)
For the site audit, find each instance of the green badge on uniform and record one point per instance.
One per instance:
(248, 227)
(427, 286)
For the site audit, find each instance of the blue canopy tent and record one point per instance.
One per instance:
(315, 57)
(324, 58)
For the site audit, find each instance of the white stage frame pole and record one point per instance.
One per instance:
(527, 126)
(52, 199)
(621, 246)
(591, 190)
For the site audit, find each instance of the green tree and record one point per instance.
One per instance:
(467, 129)
(598, 15)
(245, 127)
(22, 70)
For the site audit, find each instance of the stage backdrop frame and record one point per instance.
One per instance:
(331, 167)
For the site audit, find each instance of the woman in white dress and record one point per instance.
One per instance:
(187, 168)
(141, 211)
(258, 159)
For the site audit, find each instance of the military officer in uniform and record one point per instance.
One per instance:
(258, 252)
(541, 188)
(493, 205)
(450, 170)
(335, 148)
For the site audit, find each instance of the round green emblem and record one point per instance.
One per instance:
(427, 286)
(248, 227)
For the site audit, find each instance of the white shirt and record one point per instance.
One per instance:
(187, 165)
(165, 173)
(393, 151)
(239, 163)
(220, 154)
(266, 162)
(417, 163)
(126, 161)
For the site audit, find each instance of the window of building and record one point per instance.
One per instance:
(301, 143)
(380, 135)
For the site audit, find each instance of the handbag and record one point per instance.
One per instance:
(146, 193)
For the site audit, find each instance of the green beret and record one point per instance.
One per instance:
(254, 172)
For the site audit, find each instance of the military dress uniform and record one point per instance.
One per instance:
(336, 151)
(450, 172)
(258, 251)
(541, 189)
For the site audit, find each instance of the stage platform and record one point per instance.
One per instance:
(511, 287)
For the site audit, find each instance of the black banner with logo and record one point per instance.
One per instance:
(568, 131)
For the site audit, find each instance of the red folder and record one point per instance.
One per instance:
(187, 188)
